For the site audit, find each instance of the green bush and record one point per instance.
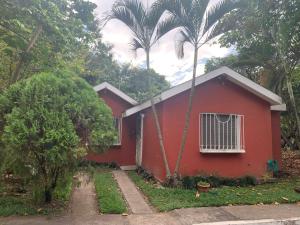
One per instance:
(144, 173)
(88, 163)
(46, 124)
(190, 182)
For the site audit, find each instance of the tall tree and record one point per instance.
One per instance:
(45, 30)
(147, 28)
(199, 22)
(267, 34)
(245, 67)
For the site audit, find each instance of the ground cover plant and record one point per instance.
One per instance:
(165, 199)
(109, 197)
(28, 203)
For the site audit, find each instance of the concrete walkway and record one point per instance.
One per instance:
(83, 202)
(84, 211)
(134, 198)
(255, 214)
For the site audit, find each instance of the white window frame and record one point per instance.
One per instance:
(119, 141)
(217, 148)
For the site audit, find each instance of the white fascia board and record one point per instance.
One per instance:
(116, 91)
(253, 87)
(233, 76)
(281, 107)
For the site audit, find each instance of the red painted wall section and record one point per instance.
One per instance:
(276, 137)
(215, 96)
(125, 153)
(152, 159)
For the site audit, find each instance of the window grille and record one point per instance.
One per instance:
(221, 133)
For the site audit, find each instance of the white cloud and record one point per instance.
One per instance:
(162, 57)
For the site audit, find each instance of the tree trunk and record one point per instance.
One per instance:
(148, 59)
(30, 45)
(294, 108)
(160, 138)
(187, 115)
(157, 125)
(48, 194)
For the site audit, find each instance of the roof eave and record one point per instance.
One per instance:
(116, 91)
(236, 78)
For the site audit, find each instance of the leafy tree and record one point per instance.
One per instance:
(44, 32)
(136, 83)
(267, 35)
(132, 80)
(199, 22)
(96, 65)
(244, 67)
(47, 123)
(147, 28)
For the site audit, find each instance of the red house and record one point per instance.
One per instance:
(234, 128)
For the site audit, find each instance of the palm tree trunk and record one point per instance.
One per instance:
(148, 59)
(30, 45)
(160, 138)
(157, 125)
(294, 107)
(187, 115)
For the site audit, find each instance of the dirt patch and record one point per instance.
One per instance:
(291, 162)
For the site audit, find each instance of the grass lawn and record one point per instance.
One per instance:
(24, 204)
(165, 199)
(109, 197)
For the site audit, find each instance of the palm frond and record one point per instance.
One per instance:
(154, 14)
(135, 45)
(132, 14)
(165, 26)
(179, 43)
(198, 12)
(218, 11)
(123, 15)
(135, 7)
(225, 24)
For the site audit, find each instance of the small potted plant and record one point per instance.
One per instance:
(203, 186)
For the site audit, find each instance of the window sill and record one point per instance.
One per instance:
(222, 150)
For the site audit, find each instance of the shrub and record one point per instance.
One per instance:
(190, 182)
(88, 163)
(46, 124)
(144, 173)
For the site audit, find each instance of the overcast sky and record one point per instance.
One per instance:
(162, 57)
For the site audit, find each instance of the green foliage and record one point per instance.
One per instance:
(144, 173)
(166, 199)
(16, 206)
(109, 197)
(146, 24)
(28, 204)
(87, 163)
(190, 182)
(66, 27)
(47, 122)
(267, 39)
(244, 67)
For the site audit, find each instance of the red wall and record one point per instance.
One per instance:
(152, 159)
(216, 96)
(276, 137)
(125, 153)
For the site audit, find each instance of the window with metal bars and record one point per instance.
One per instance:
(221, 133)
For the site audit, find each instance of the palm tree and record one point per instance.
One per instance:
(199, 22)
(147, 28)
